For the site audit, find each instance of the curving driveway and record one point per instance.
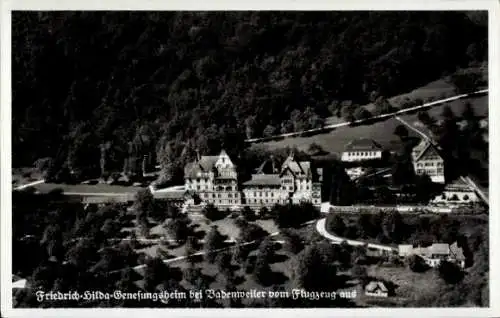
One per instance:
(321, 229)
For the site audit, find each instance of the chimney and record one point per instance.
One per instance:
(291, 154)
(197, 154)
(273, 164)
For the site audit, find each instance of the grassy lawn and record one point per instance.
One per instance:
(408, 284)
(383, 132)
(335, 141)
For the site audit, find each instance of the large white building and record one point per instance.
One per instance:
(427, 160)
(215, 180)
(296, 182)
(362, 149)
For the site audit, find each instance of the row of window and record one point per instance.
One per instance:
(229, 195)
(430, 164)
(431, 172)
(362, 154)
(224, 201)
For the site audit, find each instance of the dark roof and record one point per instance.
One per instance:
(423, 147)
(264, 179)
(363, 144)
(205, 164)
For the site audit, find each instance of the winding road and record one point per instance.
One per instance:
(321, 229)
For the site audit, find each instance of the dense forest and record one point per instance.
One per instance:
(101, 92)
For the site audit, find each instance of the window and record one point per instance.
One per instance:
(213, 195)
(218, 195)
(255, 194)
(290, 188)
(272, 194)
(260, 194)
(198, 187)
(229, 195)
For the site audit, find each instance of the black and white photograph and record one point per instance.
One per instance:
(248, 159)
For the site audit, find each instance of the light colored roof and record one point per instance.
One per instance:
(457, 252)
(405, 249)
(362, 144)
(374, 285)
(19, 283)
(264, 179)
(439, 248)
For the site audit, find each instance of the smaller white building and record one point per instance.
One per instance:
(376, 289)
(457, 192)
(362, 149)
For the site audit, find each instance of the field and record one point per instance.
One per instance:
(382, 132)
(84, 188)
(408, 284)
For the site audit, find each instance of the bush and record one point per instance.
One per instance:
(417, 264)
(248, 214)
(250, 265)
(212, 213)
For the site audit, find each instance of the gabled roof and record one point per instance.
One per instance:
(457, 252)
(376, 285)
(362, 144)
(422, 148)
(439, 248)
(297, 167)
(205, 164)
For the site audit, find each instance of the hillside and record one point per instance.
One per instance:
(91, 89)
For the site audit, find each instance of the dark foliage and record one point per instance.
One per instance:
(293, 215)
(187, 80)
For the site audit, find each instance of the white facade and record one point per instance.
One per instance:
(361, 155)
(426, 160)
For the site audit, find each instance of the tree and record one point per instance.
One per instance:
(393, 226)
(262, 270)
(465, 82)
(468, 112)
(191, 274)
(213, 241)
(269, 131)
(223, 261)
(359, 272)
(450, 272)
(417, 264)
(144, 204)
(155, 272)
(251, 232)
(212, 213)
(178, 229)
(401, 131)
(293, 242)
(335, 224)
(248, 214)
(191, 247)
(312, 271)
(361, 113)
